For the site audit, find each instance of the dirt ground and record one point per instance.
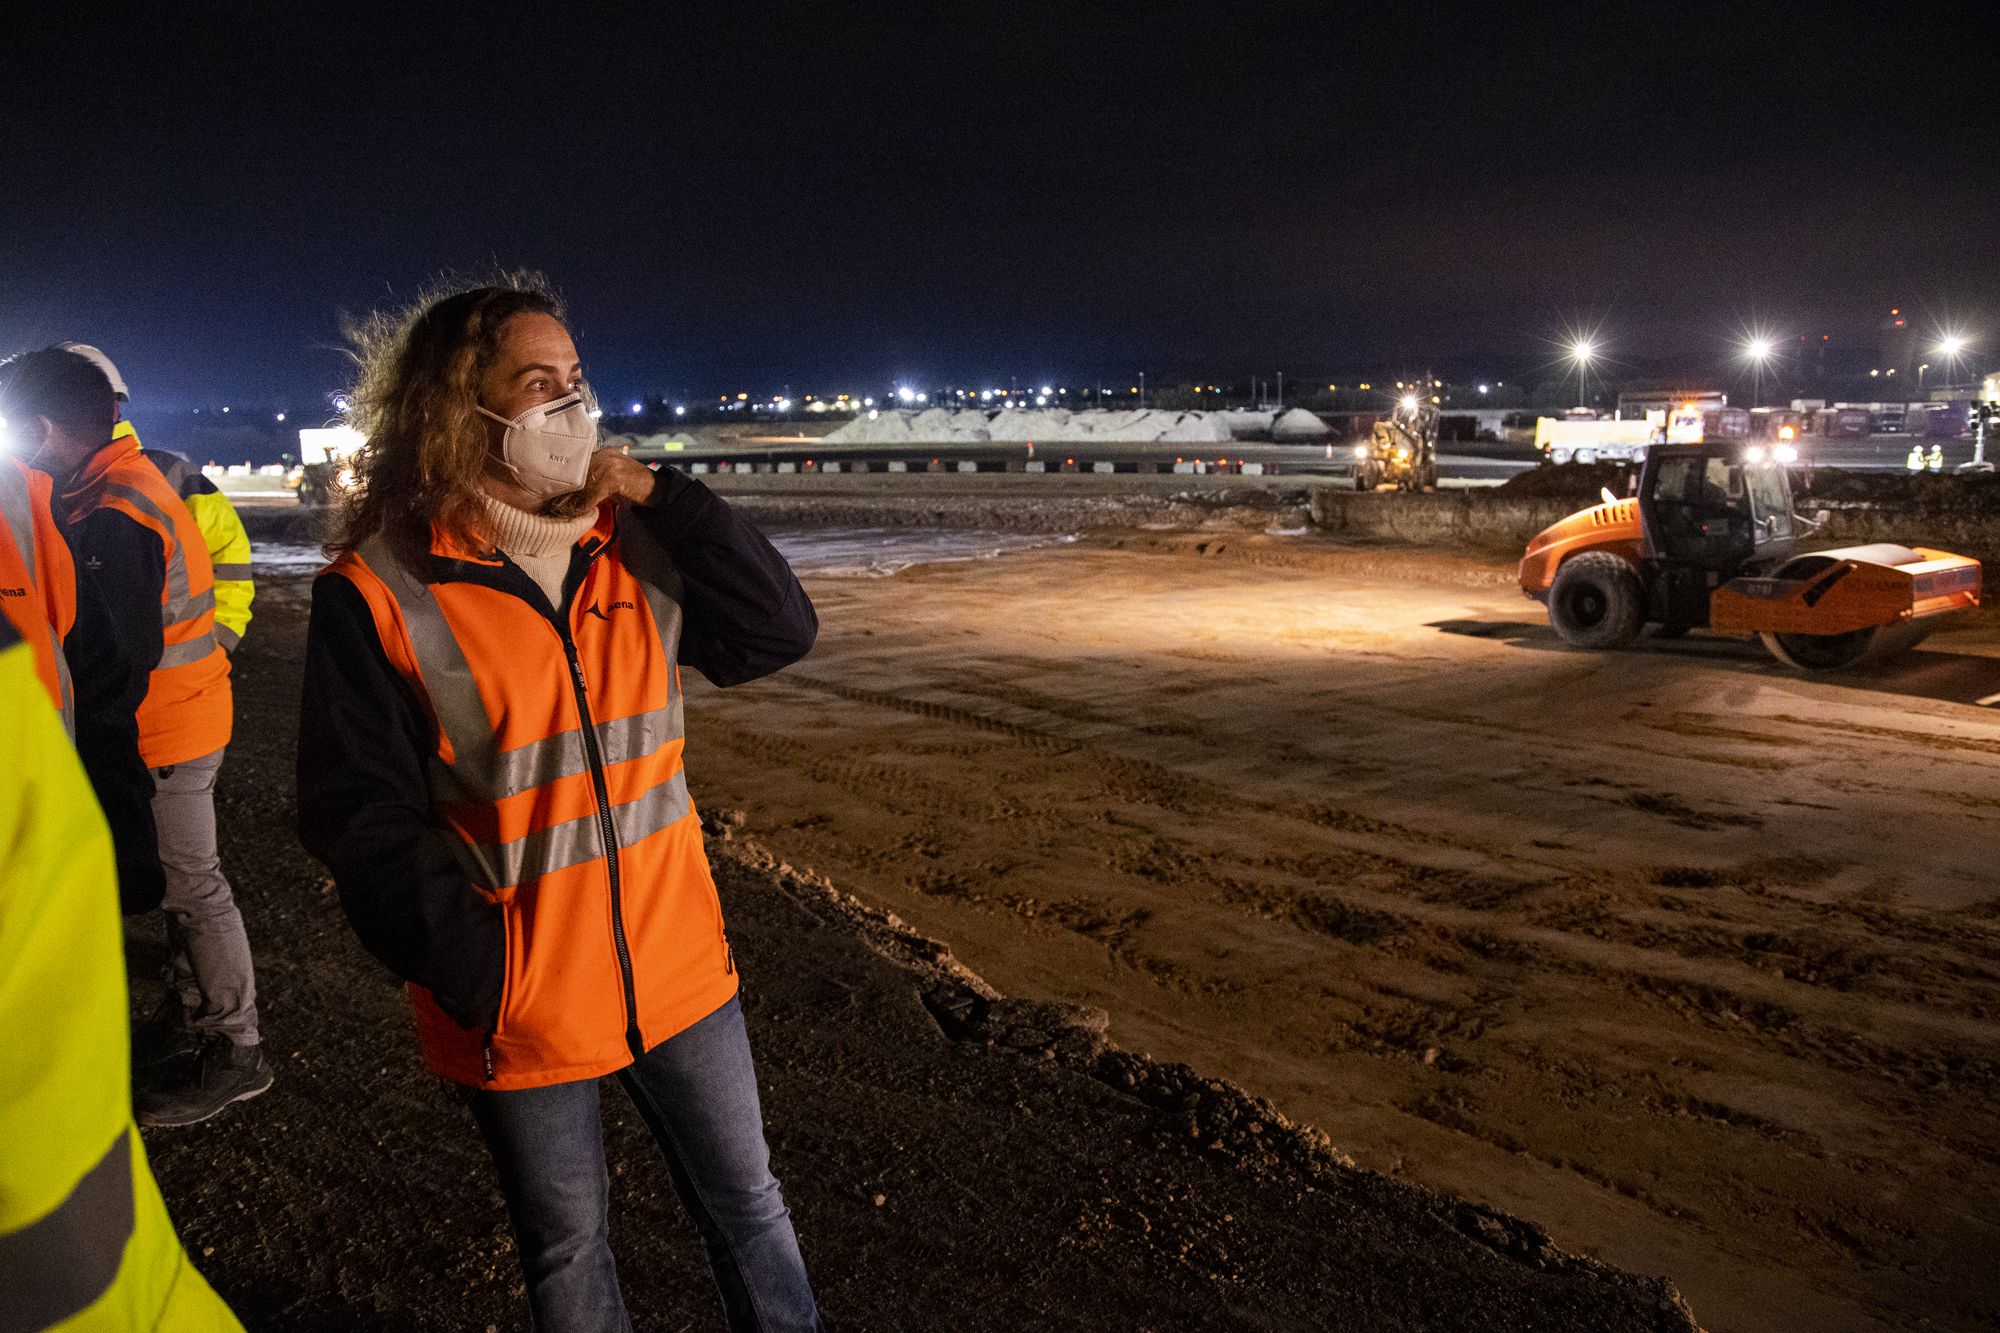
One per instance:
(952, 1159)
(1693, 961)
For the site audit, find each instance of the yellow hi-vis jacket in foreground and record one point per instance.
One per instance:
(221, 528)
(85, 1241)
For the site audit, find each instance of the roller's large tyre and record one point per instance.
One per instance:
(1596, 601)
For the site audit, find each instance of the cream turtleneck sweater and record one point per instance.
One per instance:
(540, 546)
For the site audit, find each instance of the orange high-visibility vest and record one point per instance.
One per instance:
(557, 772)
(37, 579)
(186, 713)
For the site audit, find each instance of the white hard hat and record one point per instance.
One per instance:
(103, 363)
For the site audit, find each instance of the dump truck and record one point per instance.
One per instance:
(1402, 451)
(1568, 440)
(1707, 542)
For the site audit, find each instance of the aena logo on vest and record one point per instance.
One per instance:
(594, 610)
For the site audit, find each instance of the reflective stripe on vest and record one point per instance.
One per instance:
(58, 1265)
(481, 773)
(17, 517)
(179, 608)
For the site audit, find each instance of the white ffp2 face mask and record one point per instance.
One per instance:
(548, 447)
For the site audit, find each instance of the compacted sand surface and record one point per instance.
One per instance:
(1691, 960)
(953, 1159)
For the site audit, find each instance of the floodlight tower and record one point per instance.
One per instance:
(1580, 352)
(1951, 347)
(1759, 351)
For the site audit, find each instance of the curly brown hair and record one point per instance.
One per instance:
(414, 400)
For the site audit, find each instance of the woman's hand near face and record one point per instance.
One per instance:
(614, 472)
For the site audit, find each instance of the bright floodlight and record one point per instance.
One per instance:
(1582, 350)
(637, 408)
(1758, 348)
(1409, 401)
(680, 411)
(1951, 345)
(906, 394)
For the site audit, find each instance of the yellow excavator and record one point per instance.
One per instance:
(1402, 451)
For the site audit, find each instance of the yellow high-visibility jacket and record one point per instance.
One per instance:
(85, 1240)
(228, 543)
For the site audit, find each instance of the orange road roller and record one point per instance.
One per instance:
(1708, 543)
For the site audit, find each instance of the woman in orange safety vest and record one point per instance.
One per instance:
(490, 764)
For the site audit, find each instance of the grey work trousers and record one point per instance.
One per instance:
(208, 954)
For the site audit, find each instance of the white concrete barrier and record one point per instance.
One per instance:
(1036, 465)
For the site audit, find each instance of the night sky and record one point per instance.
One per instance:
(838, 195)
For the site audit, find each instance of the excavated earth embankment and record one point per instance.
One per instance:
(1961, 514)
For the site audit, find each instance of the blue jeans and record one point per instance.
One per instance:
(698, 1094)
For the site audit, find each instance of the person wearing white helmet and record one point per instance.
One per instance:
(199, 1050)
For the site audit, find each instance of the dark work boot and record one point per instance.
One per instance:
(164, 1035)
(189, 1091)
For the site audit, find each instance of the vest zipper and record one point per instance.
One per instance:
(609, 830)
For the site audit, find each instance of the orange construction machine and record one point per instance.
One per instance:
(1708, 543)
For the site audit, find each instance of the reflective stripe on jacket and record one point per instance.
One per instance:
(85, 1240)
(37, 579)
(186, 713)
(556, 771)
(221, 529)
